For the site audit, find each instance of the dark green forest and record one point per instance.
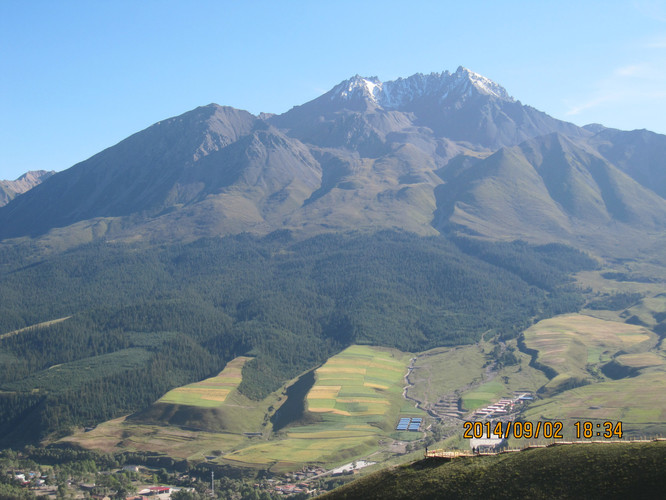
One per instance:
(144, 319)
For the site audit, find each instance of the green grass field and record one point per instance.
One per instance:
(647, 308)
(443, 371)
(638, 402)
(460, 370)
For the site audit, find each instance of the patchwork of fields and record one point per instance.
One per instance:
(360, 381)
(355, 401)
(352, 406)
(356, 398)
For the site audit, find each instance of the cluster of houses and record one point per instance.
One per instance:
(30, 478)
(291, 489)
(503, 407)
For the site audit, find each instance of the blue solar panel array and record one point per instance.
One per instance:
(409, 424)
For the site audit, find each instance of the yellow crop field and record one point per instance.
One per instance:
(335, 411)
(338, 368)
(209, 393)
(324, 392)
(375, 386)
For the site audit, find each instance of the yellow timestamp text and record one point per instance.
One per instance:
(541, 429)
(606, 430)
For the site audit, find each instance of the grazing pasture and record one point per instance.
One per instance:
(576, 347)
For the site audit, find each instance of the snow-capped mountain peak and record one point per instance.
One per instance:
(481, 83)
(369, 88)
(398, 93)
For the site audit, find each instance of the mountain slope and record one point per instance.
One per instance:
(641, 154)
(547, 189)
(171, 164)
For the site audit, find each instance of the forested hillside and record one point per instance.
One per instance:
(138, 320)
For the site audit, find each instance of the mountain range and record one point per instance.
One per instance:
(438, 153)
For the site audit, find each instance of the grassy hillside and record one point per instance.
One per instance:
(599, 371)
(573, 347)
(206, 418)
(460, 372)
(587, 471)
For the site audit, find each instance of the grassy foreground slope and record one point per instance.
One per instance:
(589, 471)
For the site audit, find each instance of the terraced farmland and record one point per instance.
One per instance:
(358, 382)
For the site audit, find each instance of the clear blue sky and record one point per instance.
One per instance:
(79, 76)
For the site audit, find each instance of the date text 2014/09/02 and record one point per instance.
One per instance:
(542, 429)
